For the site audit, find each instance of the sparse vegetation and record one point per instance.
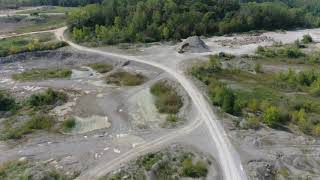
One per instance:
(149, 160)
(307, 39)
(290, 51)
(47, 98)
(22, 44)
(100, 67)
(189, 169)
(271, 116)
(272, 99)
(166, 164)
(41, 74)
(172, 119)
(124, 78)
(167, 99)
(32, 115)
(16, 130)
(258, 68)
(14, 169)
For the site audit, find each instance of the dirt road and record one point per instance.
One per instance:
(227, 157)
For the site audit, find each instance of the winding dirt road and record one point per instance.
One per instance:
(226, 155)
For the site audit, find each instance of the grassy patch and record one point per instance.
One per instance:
(47, 98)
(173, 119)
(32, 115)
(12, 169)
(125, 79)
(23, 170)
(167, 99)
(49, 22)
(55, 9)
(16, 130)
(149, 160)
(287, 52)
(42, 74)
(189, 169)
(166, 164)
(14, 45)
(100, 67)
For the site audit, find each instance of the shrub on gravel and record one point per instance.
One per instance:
(7, 102)
(27, 170)
(123, 78)
(307, 39)
(68, 124)
(100, 67)
(49, 97)
(271, 116)
(167, 99)
(197, 170)
(42, 74)
(16, 130)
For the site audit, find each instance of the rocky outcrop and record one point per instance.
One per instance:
(193, 45)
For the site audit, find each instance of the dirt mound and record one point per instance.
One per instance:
(193, 44)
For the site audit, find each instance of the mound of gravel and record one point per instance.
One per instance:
(193, 45)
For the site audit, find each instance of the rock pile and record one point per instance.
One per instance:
(193, 45)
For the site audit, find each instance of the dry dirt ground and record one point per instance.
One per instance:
(111, 120)
(131, 116)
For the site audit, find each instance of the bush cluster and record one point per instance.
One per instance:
(7, 102)
(47, 98)
(124, 78)
(167, 99)
(197, 170)
(100, 67)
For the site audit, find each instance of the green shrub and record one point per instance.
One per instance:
(37, 122)
(258, 68)
(194, 170)
(40, 122)
(307, 39)
(316, 130)
(125, 79)
(68, 124)
(315, 87)
(167, 99)
(7, 102)
(271, 116)
(49, 97)
(286, 52)
(10, 169)
(224, 97)
(101, 68)
(301, 119)
(42, 74)
(149, 160)
(207, 68)
(172, 119)
(253, 123)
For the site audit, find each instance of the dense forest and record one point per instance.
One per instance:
(312, 6)
(116, 21)
(18, 3)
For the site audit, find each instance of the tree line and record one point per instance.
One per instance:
(117, 21)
